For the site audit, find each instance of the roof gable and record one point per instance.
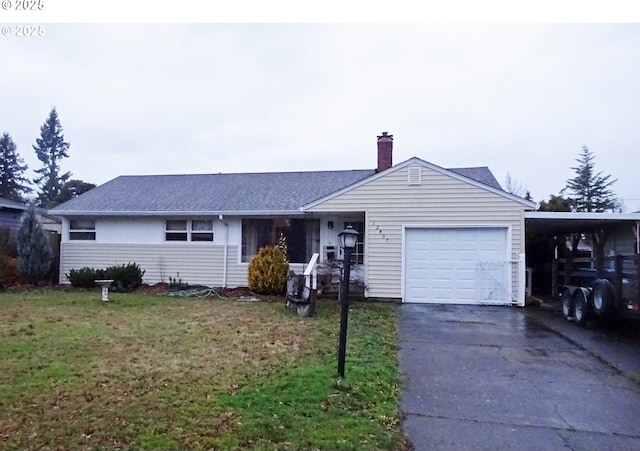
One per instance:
(480, 177)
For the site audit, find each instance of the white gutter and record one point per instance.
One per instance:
(169, 213)
(580, 215)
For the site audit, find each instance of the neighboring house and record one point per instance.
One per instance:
(11, 211)
(428, 234)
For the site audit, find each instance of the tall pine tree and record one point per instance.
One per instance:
(590, 191)
(13, 184)
(50, 149)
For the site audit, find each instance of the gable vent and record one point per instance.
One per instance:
(415, 176)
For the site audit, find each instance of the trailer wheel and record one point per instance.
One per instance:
(602, 298)
(567, 304)
(581, 307)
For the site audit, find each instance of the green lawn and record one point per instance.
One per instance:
(156, 372)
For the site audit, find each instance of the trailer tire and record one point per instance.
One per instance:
(567, 304)
(581, 307)
(602, 298)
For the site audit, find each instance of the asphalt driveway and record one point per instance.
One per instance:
(500, 378)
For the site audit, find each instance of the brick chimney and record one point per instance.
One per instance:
(385, 152)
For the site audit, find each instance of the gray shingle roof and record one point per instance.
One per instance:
(275, 191)
(480, 174)
(217, 193)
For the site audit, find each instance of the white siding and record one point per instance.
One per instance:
(193, 264)
(389, 202)
(141, 240)
(151, 230)
(130, 230)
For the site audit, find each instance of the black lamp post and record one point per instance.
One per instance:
(348, 238)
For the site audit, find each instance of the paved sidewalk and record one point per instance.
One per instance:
(500, 378)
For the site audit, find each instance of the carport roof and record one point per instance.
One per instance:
(569, 222)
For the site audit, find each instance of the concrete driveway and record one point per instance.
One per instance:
(500, 378)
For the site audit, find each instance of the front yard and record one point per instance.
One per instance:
(156, 372)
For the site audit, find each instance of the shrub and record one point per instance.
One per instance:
(268, 271)
(126, 278)
(83, 278)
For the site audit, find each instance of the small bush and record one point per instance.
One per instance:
(126, 278)
(268, 271)
(84, 277)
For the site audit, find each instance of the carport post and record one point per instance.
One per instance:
(522, 282)
(348, 237)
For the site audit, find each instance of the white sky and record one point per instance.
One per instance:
(227, 97)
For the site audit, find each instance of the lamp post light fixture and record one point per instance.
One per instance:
(348, 238)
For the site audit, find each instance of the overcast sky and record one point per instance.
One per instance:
(183, 98)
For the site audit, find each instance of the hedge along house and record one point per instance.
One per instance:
(428, 234)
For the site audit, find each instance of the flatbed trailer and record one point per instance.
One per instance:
(592, 288)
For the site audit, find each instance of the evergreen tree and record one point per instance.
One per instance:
(590, 191)
(34, 251)
(73, 188)
(50, 149)
(555, 203)
(12, 181)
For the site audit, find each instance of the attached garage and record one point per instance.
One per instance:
(436, 235)
(457, 265)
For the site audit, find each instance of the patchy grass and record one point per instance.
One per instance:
(152, 372)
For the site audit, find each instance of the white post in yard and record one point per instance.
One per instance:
(521, 280)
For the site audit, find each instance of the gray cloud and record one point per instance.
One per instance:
(146, 99)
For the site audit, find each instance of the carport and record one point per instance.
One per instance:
(560, 243)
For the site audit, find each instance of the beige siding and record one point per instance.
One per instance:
(389, 203)
(193, 264)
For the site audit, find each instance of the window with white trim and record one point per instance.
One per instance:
(188, 230)
(202, 230)
(176, 230)
(82, 229)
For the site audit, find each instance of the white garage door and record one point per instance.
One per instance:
(456, 266)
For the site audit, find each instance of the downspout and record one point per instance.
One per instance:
(226, 253)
